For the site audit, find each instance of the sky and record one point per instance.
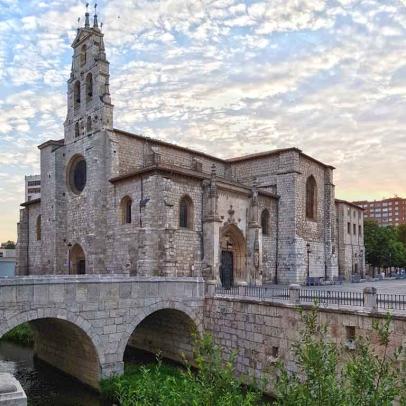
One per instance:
(228, 77)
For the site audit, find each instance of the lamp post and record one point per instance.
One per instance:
(362, 263)
(308, 250)
(390, 263)
(69, 247)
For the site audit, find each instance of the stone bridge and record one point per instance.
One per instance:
(83, 324)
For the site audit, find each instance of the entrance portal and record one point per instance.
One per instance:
(227, 268)
(233, 248)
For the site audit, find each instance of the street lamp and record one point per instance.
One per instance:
(308, 262)
(69, 247)
(362, 263)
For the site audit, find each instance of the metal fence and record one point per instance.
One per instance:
(322, 297)
(332, 297)
(258, 292)
(391, 301)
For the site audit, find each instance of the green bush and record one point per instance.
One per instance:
(213, 383)
(327, 376)
(21, 335)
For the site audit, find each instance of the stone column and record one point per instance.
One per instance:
(294, 294)
(111, 369)
(254, 240)
(370, 298)
(211, 228)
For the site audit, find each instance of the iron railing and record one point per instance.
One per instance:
(258, 292)
(332, 297)
(391, 301)
(322, 297)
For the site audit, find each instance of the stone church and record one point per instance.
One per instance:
(113, 202)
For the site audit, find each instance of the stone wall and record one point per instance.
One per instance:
(258, 330)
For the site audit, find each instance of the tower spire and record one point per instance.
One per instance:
(87, 16)
(95, 22)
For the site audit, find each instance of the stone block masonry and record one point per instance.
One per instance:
(262, 332)
(11, 392)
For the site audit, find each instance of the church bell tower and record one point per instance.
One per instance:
(89, 103)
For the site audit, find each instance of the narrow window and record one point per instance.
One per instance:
(185, 212)
(354, 229)
(77, 130)
(265, 222)
(349, 228)
(76, 94)
(311, 198)
(89, 87)
(89, 125)
(38, 228)
(360, 230)
(83, 55)
(126, 207)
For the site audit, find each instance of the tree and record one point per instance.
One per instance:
(383, 245)
(327, 376)
(402, 234)
(9, 245)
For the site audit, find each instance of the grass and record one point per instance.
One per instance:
(212, 383)
(21, 335)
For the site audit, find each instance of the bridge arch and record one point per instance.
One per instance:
(64, 340)
(166, 320)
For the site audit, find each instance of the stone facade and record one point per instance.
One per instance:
(86, 224)
(350, 237)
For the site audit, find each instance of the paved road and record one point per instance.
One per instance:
(388, 286)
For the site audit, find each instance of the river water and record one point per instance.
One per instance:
(44, 385)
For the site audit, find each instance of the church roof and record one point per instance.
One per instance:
(30, 202)
(225, 161)
(176, 170)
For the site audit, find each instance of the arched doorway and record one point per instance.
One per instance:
(77, 261)
(233, 256)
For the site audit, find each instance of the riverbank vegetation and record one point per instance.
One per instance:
(328, 375)
(212, 383)
(21, 335)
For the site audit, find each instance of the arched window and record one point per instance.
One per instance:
(311, 198)
(126, 206)
(186, 212)
(89, 125)
(77, 130)
(83, 55)
(76, 94)
(38, 228)
(265, 222)
(89, 87)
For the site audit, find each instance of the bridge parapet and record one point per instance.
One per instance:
(93, 289)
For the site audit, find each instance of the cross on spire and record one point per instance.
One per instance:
(95, 22)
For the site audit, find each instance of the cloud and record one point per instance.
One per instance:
(228, 77)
